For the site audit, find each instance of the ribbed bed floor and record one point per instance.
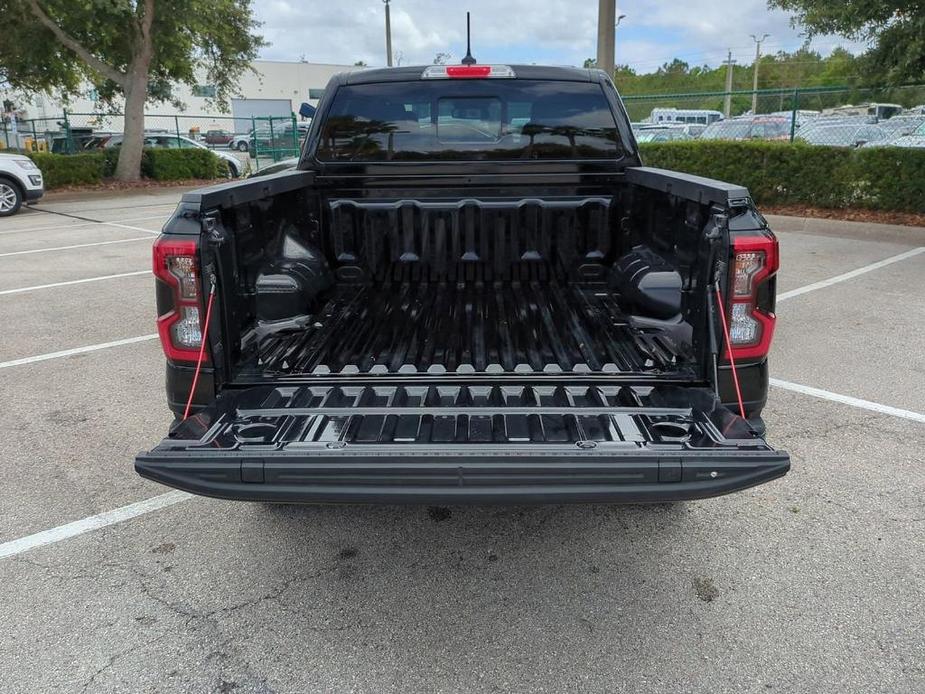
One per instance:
(471, 328)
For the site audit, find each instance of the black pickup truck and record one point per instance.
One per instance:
(470, 289)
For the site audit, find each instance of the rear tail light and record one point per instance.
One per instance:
(442, 72)
(752, 319)
(176, 264)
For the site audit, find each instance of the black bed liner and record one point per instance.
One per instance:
(285, 417)
(465, 328)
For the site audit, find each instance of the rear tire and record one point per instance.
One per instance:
(242, 147)
(10, 197)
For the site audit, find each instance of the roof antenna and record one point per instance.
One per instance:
(468, 60)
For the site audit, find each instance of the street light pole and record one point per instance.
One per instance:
(388, 35)
(758, 43)
(606, 19)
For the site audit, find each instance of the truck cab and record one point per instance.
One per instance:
(470, 289)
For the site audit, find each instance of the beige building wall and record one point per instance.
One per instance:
(294, 82)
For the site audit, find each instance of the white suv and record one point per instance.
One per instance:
(20, 181)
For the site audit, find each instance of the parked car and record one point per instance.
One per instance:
(905, 124)
(240, 141)
(915, 139)
(692, 129)
(218, 137)
(165, 140)
(803, 116)
(662, 134)
(79, 137)
(453, 310)
(20, 181)
(749, 128)
(842, 134)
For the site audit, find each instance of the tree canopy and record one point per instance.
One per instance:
(895, 30)
(134, 49)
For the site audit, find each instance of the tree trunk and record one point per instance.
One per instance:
(136, 92)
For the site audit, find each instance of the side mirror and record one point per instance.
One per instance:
(306, 110)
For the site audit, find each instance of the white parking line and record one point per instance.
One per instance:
(68, 227)
(79, 245)
(75, 350)
(85, 525)
(126, 226)
(65, 284)
(850, 275)
(848, 400)
(127, 207)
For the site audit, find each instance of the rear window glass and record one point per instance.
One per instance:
(466, 120)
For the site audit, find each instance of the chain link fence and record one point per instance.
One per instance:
(836, 116)
(256, 140)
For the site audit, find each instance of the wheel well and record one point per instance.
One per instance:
(11, 179)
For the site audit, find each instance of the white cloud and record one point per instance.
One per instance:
(549, 31)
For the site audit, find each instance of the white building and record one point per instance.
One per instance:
(271, 88)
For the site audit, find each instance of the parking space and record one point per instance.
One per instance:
(811, 583)
(809, 258)
(67, 265)
(41, 242)
(864, 337)
(50, 320)
(78, 421)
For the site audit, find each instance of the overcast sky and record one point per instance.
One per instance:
(560, 32)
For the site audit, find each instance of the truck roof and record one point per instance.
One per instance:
(414, 72)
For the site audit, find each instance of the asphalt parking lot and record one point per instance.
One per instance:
(813, 583)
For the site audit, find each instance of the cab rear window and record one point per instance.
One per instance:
(469, 120)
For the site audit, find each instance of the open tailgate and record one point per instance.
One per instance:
(453, 442)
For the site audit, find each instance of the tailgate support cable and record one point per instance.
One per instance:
(202, 350)
(732, 362)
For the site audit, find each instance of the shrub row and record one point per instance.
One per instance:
(158, 164)
(179, 164)
(73, 170)
(780, 173)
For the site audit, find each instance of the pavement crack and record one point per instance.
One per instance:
(114, 658)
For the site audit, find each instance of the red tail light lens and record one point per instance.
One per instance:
(752, 319)
(176, 264)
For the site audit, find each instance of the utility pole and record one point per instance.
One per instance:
(727, 106)
(388, 35)
(606, 20)
(758, 43)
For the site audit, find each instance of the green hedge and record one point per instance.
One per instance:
(780, 173)
(159, 164)
(70, 170)
(178, 164)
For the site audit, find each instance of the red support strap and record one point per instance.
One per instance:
(202, 353)
(732, 362)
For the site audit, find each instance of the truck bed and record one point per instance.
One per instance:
(467, 328)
